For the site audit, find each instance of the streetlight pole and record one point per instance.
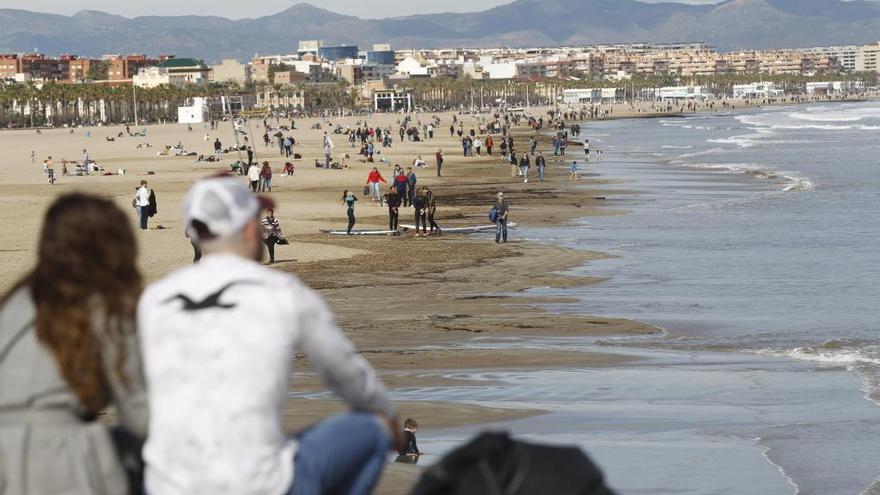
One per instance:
(135, 97)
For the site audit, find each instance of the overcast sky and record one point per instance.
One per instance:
(238, 9)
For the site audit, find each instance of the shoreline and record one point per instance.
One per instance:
(393, 296)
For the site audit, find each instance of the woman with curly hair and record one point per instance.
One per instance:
(68, 350)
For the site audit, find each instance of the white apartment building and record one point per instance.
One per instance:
(757, 90)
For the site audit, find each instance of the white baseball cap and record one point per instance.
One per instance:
(223, 204)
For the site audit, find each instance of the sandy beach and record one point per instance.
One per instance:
(407, 302)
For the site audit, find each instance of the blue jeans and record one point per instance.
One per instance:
(541, 173)
(343, 455)
(500, 230)
(142, 217)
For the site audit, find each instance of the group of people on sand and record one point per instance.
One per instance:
(86, 167)
(198, 401)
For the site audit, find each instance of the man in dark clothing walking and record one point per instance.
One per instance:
(501, 211)
(439, 157)
(411, 181)
(392, 199)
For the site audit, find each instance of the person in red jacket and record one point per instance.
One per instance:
(373, 181)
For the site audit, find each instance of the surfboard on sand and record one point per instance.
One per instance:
(462, 230)
(360, 232)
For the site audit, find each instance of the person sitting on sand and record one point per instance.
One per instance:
(410, 427)
(288, 169)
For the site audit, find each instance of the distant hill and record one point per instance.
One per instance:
(732, 24)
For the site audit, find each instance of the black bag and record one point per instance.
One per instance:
(493, 463)
(128, 449)
(366, 190)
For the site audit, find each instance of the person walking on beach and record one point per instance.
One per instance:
(266, 178)
(500, 209)
(411, 181)
(373, 180)
(328, 151)
(142, 204)
(68, 350)
(420, 204)
(392, 199)
(272, 234)
(216, 392)
(573, 171)
(524, 165)
(489, 144)
(587, 149)
(400, 185)
(439, 157)
(540, 165)
(431, 210)
(349, 199)
(218, 149)
(254, 176)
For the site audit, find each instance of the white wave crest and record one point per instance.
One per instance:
(792, 181)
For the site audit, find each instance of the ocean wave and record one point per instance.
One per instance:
(836, 117)
(710, 151)
(838, 352)
(671, 147)
(792, 181)
(815, 119)
(745, 140)
(861, 358)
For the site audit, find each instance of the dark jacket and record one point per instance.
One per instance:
(154, 206)
(495, 463)
(393, 199)
(410, 447)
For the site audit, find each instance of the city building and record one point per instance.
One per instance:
(392, 100)
(757, 90)
(309, 46)
(288, 77)
(335, 53)
(173, 71)
(231, 71)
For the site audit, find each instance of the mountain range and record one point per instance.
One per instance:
(729, 25)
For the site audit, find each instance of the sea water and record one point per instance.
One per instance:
(754, 233)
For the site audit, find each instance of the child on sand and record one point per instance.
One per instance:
(410, 427)
(574, 171)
